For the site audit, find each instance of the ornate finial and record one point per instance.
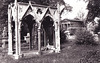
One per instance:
(29, 2)
(15, 1)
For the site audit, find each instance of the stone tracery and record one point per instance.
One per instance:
(38, 21)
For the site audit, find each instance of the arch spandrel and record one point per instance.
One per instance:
(56, 16)
(40, 13)
(49, 12)
(52, 11)
(37, 12)
(13, 12)
(22, 10)
(25, 10)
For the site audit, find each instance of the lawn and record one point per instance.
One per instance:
(70, 53)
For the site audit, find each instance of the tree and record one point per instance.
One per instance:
(3, 10)
(94, 9)
(80, 16)
(66, 7)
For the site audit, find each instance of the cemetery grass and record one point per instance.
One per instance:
(70, 53)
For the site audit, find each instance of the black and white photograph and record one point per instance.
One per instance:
(49, 31)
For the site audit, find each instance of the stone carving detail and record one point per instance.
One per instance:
(39, 11)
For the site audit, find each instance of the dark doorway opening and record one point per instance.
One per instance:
(47, 31)
(28, 30)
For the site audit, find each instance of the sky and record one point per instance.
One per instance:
(78, 8)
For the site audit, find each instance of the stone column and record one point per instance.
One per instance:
(10, 50)
(39, 38)
(35, 36)
(57, 38)
(45, 38)
(54, 38)
(57, 29)
(17, 34)
(58, 41)
(19, 37)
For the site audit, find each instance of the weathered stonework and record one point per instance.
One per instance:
(33, 15)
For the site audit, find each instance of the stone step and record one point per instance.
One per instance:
(28, 54)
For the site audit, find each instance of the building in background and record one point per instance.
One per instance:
(72, 26)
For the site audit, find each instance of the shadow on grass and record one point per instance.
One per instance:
(91, 57)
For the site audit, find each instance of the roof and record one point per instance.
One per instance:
(38, 5)
(73, 20)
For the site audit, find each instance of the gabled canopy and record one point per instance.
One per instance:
(37, 11)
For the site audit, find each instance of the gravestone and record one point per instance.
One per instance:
(27, 38)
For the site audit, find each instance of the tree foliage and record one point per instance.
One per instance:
(94, 9)
(97, 28)
(84, 37)
(3, 10)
